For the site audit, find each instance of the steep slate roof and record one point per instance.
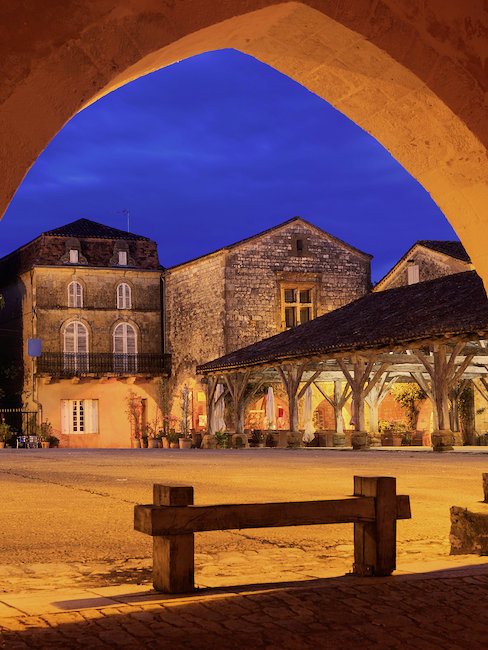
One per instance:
(97, 246)
(270, 230)
(453, 304)
(452, 248)
(89, 228)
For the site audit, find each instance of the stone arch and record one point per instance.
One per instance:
(413, 75)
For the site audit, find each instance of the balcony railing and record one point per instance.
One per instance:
(59, 364)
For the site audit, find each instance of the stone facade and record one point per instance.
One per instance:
(430, 264)
(236, 296)
(81, 386)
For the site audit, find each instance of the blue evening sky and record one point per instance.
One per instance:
(214, 149)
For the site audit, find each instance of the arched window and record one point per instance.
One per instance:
(75, 294)
(125, 348)
(75, 344)
(123, 296)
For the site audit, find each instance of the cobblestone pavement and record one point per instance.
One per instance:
(434, 609)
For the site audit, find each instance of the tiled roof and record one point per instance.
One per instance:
(88, 228)
(453, 304)
(452, 248)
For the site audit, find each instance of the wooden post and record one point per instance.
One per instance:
(375, 542)
(173, 555)
(485, 486)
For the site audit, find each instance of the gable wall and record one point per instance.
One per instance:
(255, 271)
(431, 265)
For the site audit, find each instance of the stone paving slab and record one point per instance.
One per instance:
(437, 608)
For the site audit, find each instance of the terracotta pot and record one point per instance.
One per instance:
(173, 445)
(152, 443)
(185, 443)
(44, 445)
(397, 440)
(165, 443)
(136, 443)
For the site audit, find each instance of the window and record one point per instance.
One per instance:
(125, 348)
(297, 306)
(75, 343)
(122, 258)
(413, 274)
(73, 256)
(75, 294)
(123, 296)
(79, 416)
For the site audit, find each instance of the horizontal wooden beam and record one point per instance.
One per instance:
(176, 520)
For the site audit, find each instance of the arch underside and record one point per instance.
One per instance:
(413, 77)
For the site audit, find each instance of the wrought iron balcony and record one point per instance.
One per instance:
(59, 364)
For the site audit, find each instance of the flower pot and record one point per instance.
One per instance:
(165, 442)
(136, 443)
(44, 445)
(2, 444)
(173, 445)
(397, 439)
(359, 440)
(185, 443)
(152, 443)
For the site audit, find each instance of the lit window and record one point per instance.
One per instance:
(123, 296)
(297, 306)
(73, 256)
(75, 294)
(79, 416)
(122, 258)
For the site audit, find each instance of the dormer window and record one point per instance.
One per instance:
(73, 256)
(122, 258)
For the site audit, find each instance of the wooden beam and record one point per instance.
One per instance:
(181, 520)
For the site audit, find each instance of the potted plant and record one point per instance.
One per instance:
(257, 438)
(173, 438)
(149, 432)
(222, 440)
(5, 434)
(45, 434)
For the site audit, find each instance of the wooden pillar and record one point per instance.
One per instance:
(338, 404)
(210, 394)
(375, 542)
(173, 555)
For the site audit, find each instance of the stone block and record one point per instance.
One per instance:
(469, 530)
(209, 441)
(239, 441)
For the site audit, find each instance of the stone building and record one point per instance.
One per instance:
(92, 295)
(253, 289)
(426, 260)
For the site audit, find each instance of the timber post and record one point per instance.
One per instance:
(375, 542)
(173, 555)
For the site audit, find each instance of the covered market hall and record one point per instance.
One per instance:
(433, 333)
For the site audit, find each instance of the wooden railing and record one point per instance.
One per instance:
(172, 521)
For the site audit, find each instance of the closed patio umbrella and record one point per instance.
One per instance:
(270, 409)
(309, 434)
(218, 420)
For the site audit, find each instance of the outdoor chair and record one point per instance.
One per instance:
(32, 442)
(21, 441)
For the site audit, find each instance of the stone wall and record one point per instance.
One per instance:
(194, 314)
(431, 265)
(99, 312)
(257, 270)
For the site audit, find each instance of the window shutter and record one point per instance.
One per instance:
(127, 303)
(79, 295)
(71, 295)
(65, 416)
(131, 340)
(92, 423)
(82, 338)
(69, 338)
(120, 296)
(119, 339)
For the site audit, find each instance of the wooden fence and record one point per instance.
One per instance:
(172, 521)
